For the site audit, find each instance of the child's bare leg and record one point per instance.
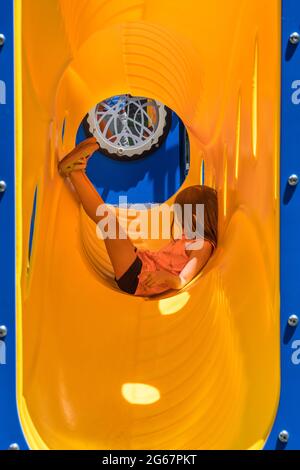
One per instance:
(121, 251)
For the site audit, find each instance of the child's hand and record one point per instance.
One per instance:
(156, 278)
(163, 279)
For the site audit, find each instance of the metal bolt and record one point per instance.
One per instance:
(14, 446)
(295, 38)
(2, 39)
(3, 331)
(2, 186)
(120, 151)
(293, 180)
(293, 320)
(283, 436)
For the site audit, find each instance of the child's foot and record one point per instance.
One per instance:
(77, 159)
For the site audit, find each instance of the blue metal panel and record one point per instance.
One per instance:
(288, 416)
(10, 430)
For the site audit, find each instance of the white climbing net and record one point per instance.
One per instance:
(127, 125)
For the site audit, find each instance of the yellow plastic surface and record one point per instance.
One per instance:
(99, 369)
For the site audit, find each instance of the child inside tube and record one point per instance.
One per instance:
(145, 272)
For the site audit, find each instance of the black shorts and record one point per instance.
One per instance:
(129, 281)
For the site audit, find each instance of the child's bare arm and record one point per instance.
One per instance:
(198, 258)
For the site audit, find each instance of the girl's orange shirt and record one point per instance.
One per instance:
(172, 258)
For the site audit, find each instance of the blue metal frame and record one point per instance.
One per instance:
(288, 415)
(10, 428)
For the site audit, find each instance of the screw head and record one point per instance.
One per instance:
(293, 180)
(2, 186)
(14, 446)
(283, 436)
(293, 320)
(2, 39)
(295, 38)
(120, 151)
(3, 331)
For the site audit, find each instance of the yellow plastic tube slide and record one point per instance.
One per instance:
(99, 369)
